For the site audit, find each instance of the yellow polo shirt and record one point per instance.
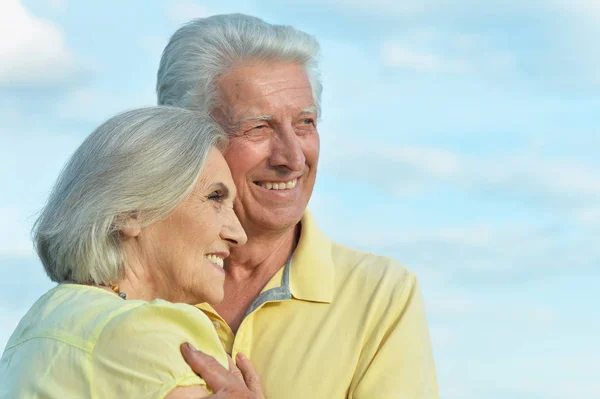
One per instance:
(336, 323)
(84, 342)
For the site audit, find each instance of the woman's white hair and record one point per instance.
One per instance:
(139, 164)
(205, 49)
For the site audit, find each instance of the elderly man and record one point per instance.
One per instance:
(317, 319)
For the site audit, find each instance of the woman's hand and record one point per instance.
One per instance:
(239, 382)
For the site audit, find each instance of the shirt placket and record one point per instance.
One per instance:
(223, 330)
(243, 339)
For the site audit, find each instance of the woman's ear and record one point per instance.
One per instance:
(131, 227)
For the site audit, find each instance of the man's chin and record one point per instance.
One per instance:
(277, 219)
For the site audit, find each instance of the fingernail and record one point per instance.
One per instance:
(191, 347)
(240, 356)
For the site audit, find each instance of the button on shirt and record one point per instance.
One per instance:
(336, 323)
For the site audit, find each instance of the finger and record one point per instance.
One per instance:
(250, 377)
(234, 370)
(216, 376)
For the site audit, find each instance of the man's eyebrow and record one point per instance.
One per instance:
(256, 118)
(310, 110)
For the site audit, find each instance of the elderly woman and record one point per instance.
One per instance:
(135, 232)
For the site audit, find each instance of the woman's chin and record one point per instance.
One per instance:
(214, 295)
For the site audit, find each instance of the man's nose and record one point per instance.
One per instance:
(286, 150)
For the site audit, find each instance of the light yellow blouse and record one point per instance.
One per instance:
(84, 342)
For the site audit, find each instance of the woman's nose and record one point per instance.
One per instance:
(233, 230)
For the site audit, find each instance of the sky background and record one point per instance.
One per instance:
(459, 137)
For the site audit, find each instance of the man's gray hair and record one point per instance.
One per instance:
(205, 49)
(139, 164)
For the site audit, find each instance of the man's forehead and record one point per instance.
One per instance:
(252, 81)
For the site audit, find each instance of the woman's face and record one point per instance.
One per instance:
(184, 253)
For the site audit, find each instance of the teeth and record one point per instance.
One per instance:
(215, 259)
(278, 186)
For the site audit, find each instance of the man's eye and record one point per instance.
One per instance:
(255, 129)
(308, 121)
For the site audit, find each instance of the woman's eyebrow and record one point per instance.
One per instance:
(220, 186)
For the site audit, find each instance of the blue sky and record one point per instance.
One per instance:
(458, 137)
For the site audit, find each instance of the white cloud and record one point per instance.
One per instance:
(154, 45)
(88, 104)
(566, 389)
(442, 337)
(34, 51)
(415, 8)
(589, 217)
(57, 4)
(386, 7)
(10, 115)
(527, 176)
(503, 250)
(181, 12)
(583, 21)
(465, 8)
(587, 9)
(462, 305)
(398, 56)
(29, 165)
(14, 233)
(477, 236)
(515, 174)
(433, 161)
(8, 322)
(400, 169)
(446, 51)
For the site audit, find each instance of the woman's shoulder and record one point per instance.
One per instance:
(140, 346)
(69, 313)
(158, 317)
(155, 330)
(133, 346)
(81, 315)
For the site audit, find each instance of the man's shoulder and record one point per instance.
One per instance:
(355, 273)
(375, 289)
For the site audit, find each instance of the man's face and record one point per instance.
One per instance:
(269, 113)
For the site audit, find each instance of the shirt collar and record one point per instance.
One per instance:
(311, 271)
(312, 268)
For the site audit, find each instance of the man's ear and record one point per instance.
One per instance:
(131, 228)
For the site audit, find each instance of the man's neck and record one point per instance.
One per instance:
(249, 269)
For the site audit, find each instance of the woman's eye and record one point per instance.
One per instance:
(216, 196)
